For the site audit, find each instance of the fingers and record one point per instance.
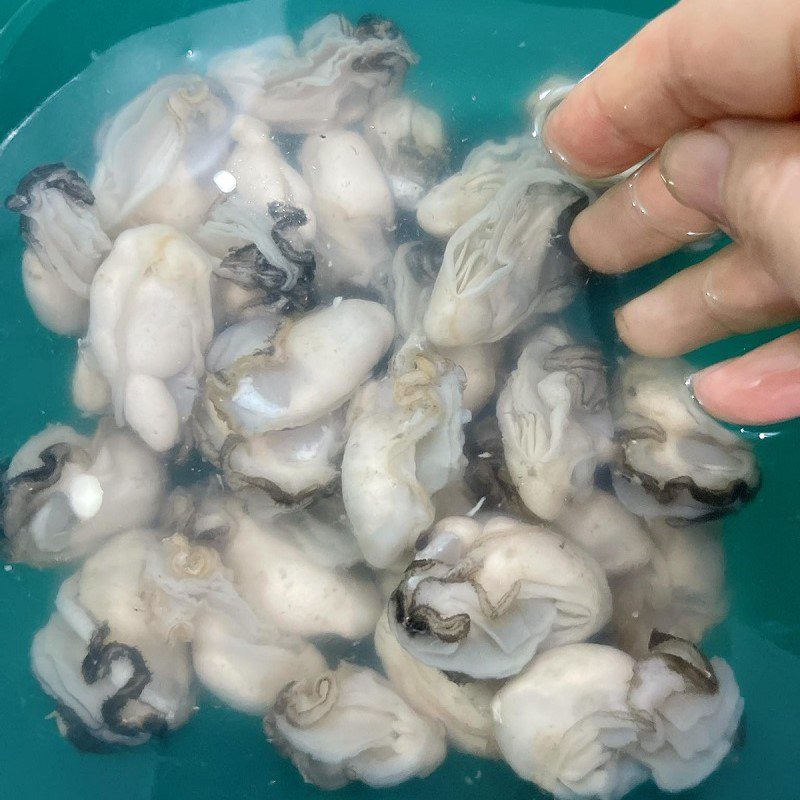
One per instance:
(756, 389)
(702, 60)
(728, 293)
(746, 174)
(636, 221)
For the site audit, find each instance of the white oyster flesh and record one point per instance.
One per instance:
(414, 269)
(350, 724)
(263, 225)
(355, 209)
(695, 709)
(248, 672)
(508, 263)
(603, 527)
(289, 465)
(65, 493)
(681, 591)
(158, 155)
(116, 679)
(489, 167)
(555, 421)
(405, 444)
(149, 327)
(482, 598)
(673, 459)
(565, 723)
(463, 707)
(243, 659)
(65, 245)
(310, 367)
(409, 141)
(285, 585)
(337, 73)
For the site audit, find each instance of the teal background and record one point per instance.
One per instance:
(475, 68)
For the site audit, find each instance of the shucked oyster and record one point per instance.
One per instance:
(284, 583)
(66, 493)
(694, 707)
(149, 327)
(565, 723)
(507, 263)
(414, 269)
(158, 155)
(307, 369)
(336, 75)
(354, 206)
(673, 460)
(603, 527)
(405, 444)
(349, 724)
(116, 679)
(289, 465)
(680, 591)
(483, 599)
(486, 170)
(263, 226)
(463, 706)
(555, 421)
(586, 720)
(243, 659)
(65, 245)
(408, 140)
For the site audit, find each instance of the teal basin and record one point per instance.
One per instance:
(479, 60)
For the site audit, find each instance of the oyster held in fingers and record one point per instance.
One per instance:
(508, 263)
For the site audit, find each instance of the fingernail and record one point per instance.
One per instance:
(755, 389)
(693, 166)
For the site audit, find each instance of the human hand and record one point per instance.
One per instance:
(714, 86)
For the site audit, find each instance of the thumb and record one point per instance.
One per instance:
(745, 175)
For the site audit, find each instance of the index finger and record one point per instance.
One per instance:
(701, 60)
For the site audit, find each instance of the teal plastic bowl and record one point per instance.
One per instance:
(479, 60)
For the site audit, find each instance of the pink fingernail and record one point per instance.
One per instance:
(693, 166)
(755, 389)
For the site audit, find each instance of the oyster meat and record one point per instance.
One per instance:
(555, 421)
(337, 73)
(116, 679)
(64, 494)
(482, 599)
(405, 444)
(150, 324)
(409, 141)
(673, 460)
(355, 210)
(509, 262)
(349, 724)
(65, 245)
(158, 155)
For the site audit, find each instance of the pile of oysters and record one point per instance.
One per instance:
(339, 397)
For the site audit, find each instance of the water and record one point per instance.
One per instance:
(477, 67)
